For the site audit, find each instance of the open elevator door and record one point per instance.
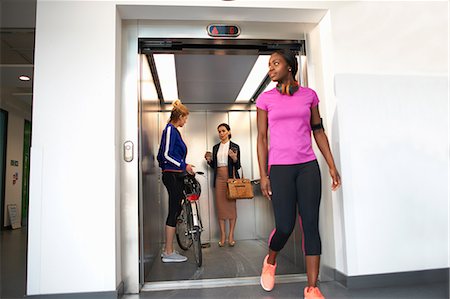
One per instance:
(208, 106)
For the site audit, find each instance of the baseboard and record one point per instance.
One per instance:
(96, 295)
(392, 279)
(120, 289)
(327, 274)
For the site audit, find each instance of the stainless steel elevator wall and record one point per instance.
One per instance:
(200, 135)
(150, 191)
(255, 216)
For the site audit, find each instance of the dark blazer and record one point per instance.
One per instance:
(231, 164)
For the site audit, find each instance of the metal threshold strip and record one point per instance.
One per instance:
(217, 282)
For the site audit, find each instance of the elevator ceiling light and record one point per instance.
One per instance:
(165, 66)
(254, 79)
(270, 86)
(148, 90)
(303, 70)
(24, 78)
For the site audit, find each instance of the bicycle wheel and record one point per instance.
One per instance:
(184, 239)
(197, 245)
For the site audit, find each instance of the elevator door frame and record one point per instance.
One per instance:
(220, 47)
(131, 203)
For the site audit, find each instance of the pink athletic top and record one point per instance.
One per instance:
(289, 120)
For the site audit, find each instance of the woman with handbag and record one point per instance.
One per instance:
(291, 180)
(171, 157)
(225, 160)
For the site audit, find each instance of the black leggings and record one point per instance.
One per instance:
(296, 187)
(174, 184)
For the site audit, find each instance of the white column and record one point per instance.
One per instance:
(72, 227)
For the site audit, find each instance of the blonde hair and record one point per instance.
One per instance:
(178, 111)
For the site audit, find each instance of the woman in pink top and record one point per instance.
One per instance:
(291, 178)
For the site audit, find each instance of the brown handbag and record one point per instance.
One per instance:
(239, 188)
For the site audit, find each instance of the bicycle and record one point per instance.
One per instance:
(189, 225)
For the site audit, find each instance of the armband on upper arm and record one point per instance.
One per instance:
(318, 126)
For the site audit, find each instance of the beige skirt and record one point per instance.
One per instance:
(225, 208)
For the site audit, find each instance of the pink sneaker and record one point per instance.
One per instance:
(312, 293)
(268, 275)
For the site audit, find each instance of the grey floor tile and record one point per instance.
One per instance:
(331, 290)
(13, 263)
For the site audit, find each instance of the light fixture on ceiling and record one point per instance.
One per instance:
(270, 86)
(148, 90)
(165, 65)
(304, 71)
(254, 79)
(24, 78)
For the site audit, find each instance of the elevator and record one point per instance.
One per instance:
(209, 74)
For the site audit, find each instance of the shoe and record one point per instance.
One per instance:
(268, 275)
(174, 257)
(221, 244)
(312, 293)
(232, 243)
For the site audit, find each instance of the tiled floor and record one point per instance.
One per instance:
(13, 280)
(13, 263)
(331, 290)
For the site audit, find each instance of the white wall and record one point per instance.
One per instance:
(390, 82)
(395, 202)
(382, 74)
(320, 69)
(118, 146)
(13, 173)
(398, 37)
(72, 225)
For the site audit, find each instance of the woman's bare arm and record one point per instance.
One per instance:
(262, 150)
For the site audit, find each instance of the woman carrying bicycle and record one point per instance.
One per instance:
(171, 157)
(225, 159)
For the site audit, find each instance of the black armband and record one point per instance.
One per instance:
(318, 126)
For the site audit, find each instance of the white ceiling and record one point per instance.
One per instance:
(17, 27)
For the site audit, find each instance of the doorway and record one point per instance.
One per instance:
(209, 75)
(3, 140)
(26, 171)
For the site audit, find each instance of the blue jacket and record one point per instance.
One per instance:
(172, 150)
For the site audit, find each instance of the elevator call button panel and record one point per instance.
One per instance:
(128, 149)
